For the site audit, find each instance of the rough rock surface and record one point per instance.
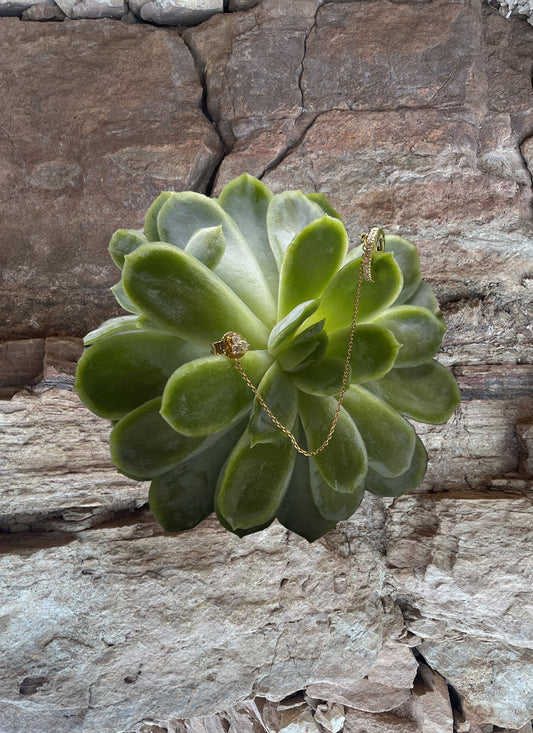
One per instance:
(107, 115)
(107, 621)
(520, 8)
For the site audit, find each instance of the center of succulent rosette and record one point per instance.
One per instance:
(232, 345)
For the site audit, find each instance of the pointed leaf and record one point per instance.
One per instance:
(323, 378)
(281, 396)
(302, 352)
(388, 438)
(298, 512)
(207, 395)
(113, 325)
(343, 463)
(337, 300)
(178, 292)
(310, 261)
(398, 485)
(406, 255)
(183, 497)
(283, 330)
(123, 300)
(144, 445)
(288, 213)
(125, 370)
(207, 246)
(321, 200)
(254, 481)
(150, 222)
(123, 242)
(246, 200)
(417, 330)
(333, 505)
(374, 351)
(428, 393)
(184, 213)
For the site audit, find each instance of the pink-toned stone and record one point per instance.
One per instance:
(429, 705)
(361, 694)
(103, 117)
(21, 365)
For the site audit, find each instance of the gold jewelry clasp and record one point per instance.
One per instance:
(232, 345)
(373, 241)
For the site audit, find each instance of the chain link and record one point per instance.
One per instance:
(374, 240)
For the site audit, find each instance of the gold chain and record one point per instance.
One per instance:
(234, 346)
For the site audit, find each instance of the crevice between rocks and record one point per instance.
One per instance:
(204, 108)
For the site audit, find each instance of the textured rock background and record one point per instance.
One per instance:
(417, 614)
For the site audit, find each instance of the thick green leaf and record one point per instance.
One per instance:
(298, 512)
(283, 330)
(417, 330)
(388, 438)
(374, 351)
(144, 445)
(123, 242)
(343, 463)
(321, 200)
(176, 291)
(323, 378)
(424, 297)
(406, 255)
(332, 505)
(207, 245)
(337, 300)
(311, 260)
(113, 325)
(184, 213)
(184, 496)
(150, 222)
(287, 215)
(125, 370)
(246, 200)
(281, 396)
(428, 393)
(398, 485)
(208, 394)
(123, 300)
(252, 485)
(303, 351)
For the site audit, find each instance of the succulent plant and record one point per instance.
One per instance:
(277, 271)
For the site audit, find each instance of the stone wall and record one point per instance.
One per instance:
(415, 615)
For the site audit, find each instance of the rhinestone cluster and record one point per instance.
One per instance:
(232, 345)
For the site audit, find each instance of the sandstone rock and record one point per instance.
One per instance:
(359, 722)
(43, 11)
(191, 632)
(21, 365)
(480, 670)
(245, 717)
(330, 716)
(361, 695)
(235, 5)
(87, 158)
(520, 8)
(180, 12)
(244, 97)
(99, 9)
(277, 719)
(395, 667)
(15, 7)
(429, 705)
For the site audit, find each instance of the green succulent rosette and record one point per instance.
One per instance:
(276, 269)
